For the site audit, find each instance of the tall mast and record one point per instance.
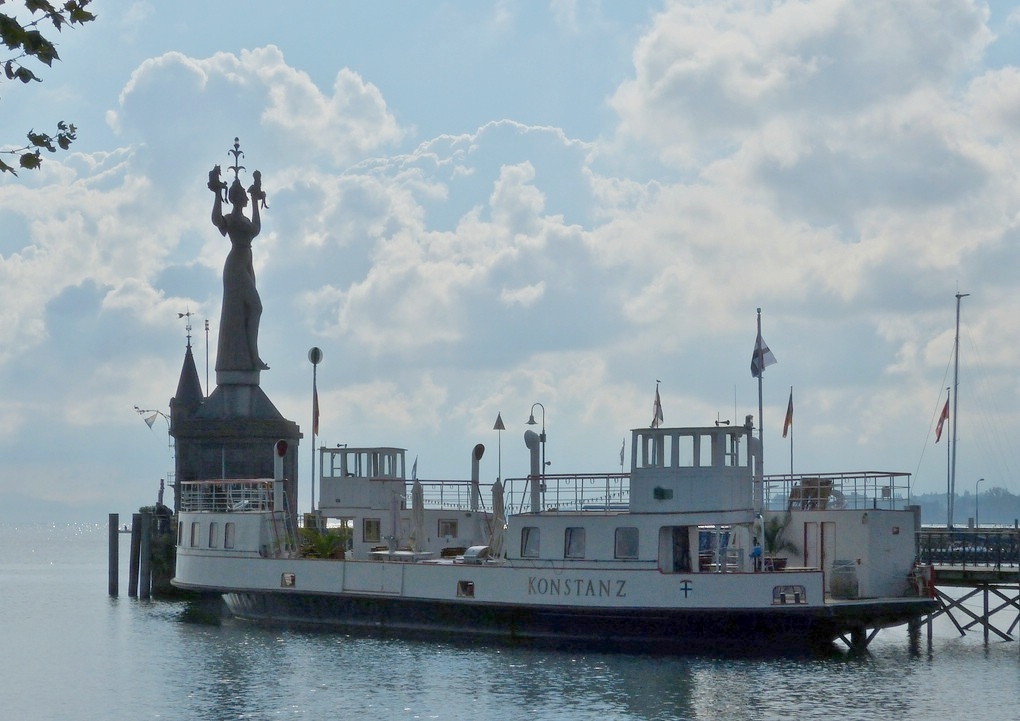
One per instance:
(956, 398)
(759, 346)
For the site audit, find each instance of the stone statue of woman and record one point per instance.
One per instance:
(242, 307)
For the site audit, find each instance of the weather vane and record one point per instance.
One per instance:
(187, 325)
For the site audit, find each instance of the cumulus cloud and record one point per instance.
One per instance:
(842, 165)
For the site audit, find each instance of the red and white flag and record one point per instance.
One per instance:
(657, 409)
(942, 419)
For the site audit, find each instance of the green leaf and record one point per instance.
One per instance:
(41, 140)
(35, 44)
(25, 75)
(11, 32)
(36, 5)
(77, 14)
(31, 161)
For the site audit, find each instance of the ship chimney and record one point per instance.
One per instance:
(476, 494)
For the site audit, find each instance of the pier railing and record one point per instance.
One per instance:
(227, 495)
(980, 547)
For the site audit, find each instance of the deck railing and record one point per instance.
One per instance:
(588, 492)
(861, 490)
(227, 495)
(448, 494)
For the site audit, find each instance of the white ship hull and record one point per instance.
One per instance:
(666, 558)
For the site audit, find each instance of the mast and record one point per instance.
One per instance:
(949, 473)
(956, 398)
(759, 347)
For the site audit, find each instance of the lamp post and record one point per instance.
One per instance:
(150, 415)
(541, 436)
(977, 517)
(314, 357)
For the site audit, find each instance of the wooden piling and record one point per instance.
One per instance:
(145, 558)
(136, 541)
(114, 554)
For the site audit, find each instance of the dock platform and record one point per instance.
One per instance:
(985, 562)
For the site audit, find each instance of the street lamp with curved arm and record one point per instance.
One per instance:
(541, 437)
(150, 416)
(977, 516)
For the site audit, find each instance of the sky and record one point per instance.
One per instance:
(475, 207)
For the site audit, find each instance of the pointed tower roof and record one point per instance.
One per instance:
(189, 394)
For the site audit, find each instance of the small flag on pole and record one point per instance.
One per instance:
(149, 420)
(622, 446)
(499, 423)
(414, 470)
(942, 419)
(762, 358)
(657, 408)
(789, 415)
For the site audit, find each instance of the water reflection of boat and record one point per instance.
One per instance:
(667, 557)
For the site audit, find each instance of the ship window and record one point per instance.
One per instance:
(228, 534)
(655, 450)
(466, 589)
(448, 528)
(180, 534)
(371, 530)
(214, 532)
(529, 542)
(573, 543)
(685, 453)
(194, 534)
(626, 542)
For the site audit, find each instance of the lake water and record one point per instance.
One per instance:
(70, 651)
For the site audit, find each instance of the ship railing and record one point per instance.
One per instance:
(588, 492)
(449, 495)
(859, 490)
(228, 495)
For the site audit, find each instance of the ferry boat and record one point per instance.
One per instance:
(693, 550)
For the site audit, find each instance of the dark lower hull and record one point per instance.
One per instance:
(772, 631)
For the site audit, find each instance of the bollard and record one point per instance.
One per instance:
(114, 554)
(136, 540)
(145, 558)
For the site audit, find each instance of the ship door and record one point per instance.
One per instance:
(819, 544)
(812, 545)
(675, 549)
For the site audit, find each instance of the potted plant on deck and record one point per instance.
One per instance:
(777, 543)
(324, 543)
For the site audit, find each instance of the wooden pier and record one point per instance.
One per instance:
(982, 563)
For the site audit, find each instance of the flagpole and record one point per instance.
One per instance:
(792, 429)
(956, 398)
(949, 474)
(761, 372)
